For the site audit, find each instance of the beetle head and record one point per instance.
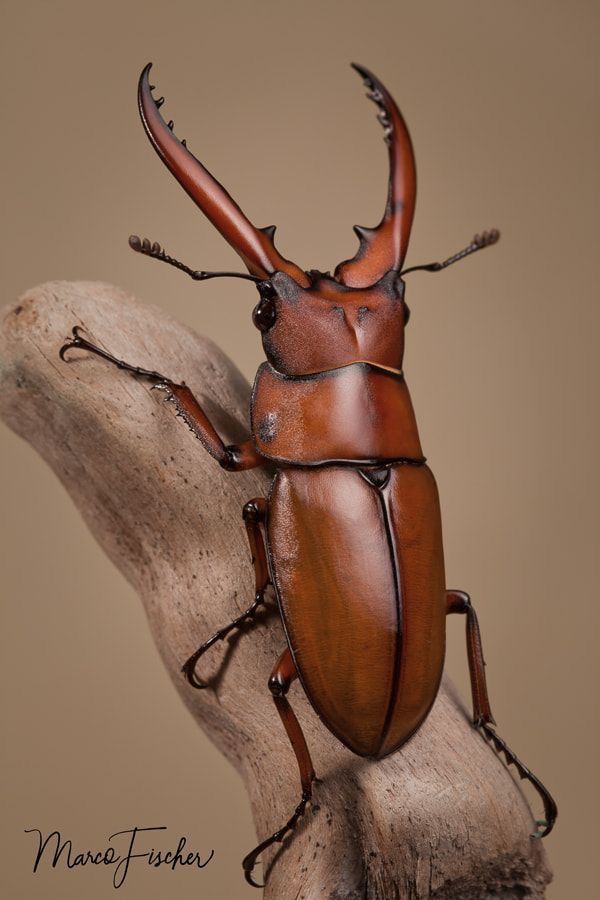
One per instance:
(327, 324)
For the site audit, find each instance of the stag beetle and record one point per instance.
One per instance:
(350, 535)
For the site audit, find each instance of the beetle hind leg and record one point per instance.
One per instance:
(254, 514)
(281, 678)
(460, 602)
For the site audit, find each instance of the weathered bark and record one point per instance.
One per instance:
(442, 817)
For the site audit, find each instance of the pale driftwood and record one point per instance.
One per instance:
(441, 818)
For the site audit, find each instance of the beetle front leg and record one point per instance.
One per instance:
(282, 676)
(254, 514)
(460, 602)
(233, 457)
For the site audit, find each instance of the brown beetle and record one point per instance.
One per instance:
(350, 537)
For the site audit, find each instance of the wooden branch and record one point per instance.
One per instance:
(441, 818)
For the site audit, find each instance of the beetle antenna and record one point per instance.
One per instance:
(485, 239)
(143, 245)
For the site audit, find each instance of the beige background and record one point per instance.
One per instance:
(500, 99)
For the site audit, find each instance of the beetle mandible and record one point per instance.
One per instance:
(350, 536)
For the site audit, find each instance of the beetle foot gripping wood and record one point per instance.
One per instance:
(460, 602)
(78, 342)
(546, 825)
(190, 665)
(249, 861)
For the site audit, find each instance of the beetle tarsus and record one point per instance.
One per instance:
(249, 861)
(550, 808)
(189, 666)
(77, 342)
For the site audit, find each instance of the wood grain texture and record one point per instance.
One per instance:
(442, 817)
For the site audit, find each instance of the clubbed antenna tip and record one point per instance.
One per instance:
(155, 251)
(479, 242)
(486, 238)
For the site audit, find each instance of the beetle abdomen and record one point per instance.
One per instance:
(365, 612)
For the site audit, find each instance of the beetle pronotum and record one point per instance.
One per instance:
(350, 535)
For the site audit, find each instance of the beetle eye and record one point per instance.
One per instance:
(265, 312)
(406, 314)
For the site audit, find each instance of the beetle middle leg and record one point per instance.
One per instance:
(460, 602)
(254, 514)
(282, 676)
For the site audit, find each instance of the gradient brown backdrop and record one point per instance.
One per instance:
(501, 351)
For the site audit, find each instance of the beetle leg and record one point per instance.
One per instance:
(77, 342)
(460, 602)
(281, 678)
(254, 514)
(233, 457)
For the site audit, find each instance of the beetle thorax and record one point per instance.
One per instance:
(328, 324)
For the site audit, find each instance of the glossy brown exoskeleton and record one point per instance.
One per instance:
(350, 536)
